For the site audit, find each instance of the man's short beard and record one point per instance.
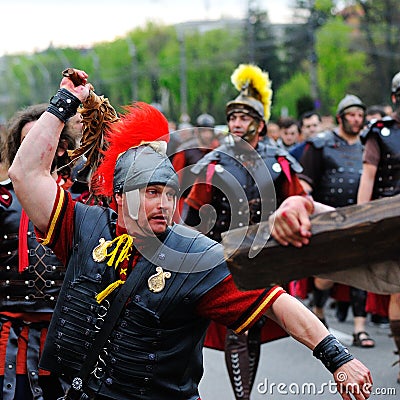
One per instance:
(347, 128)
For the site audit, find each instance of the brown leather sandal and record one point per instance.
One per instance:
(362, 339)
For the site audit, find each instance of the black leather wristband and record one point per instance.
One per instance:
(332, 353)
(63, 105)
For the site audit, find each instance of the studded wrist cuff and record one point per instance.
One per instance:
(332, 353)
(63, 105)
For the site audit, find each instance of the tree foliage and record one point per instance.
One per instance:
(341, 69)
(354, 48)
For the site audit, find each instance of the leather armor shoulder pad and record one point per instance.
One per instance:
(96, 216)
(375, 126)
(322, 139)
(276, 151)
(186, 250)
(206, 160)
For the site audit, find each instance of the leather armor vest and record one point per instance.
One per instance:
(342, 168)
(387, 179)
(36, 288)
(155, 349)
(244, 185)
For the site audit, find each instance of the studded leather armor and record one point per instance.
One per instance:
(36, 288)
(244, 184)
(342, 163)
(387, 179)
(155, 350)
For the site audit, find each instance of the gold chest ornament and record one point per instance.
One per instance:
(99, 253)
(156, 282)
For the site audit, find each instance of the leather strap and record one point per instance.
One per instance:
(77, 387)
(10, 375)
(32, 360)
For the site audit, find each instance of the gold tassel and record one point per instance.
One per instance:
(124, 240)
(109, 289)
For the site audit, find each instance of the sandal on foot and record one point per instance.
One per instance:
(362, 339)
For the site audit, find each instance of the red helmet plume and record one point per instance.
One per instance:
(141, 123)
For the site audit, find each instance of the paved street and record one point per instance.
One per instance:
(289, 371)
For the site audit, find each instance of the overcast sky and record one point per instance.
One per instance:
(31, 25)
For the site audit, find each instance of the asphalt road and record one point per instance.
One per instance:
(288, 370)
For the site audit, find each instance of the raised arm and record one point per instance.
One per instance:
(31, 170)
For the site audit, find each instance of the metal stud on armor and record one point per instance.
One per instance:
(36, 288)
(387, 179)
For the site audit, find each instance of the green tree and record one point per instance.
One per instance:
(285, 99)
(341, 68)
(260, 43)
(380, 25)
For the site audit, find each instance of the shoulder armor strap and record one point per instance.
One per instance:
(276, 151)
(186, 250)
(375, 126)
(206, 160)
(322, 139)
(100, 217)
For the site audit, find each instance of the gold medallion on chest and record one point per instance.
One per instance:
(156, 282)
(99, 253)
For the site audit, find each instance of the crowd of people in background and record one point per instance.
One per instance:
(326, 146)
(323, 157)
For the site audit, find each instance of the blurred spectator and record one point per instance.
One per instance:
(273, 133)
(327, 122)
(289, 132)
(310, 125)
(374, 112)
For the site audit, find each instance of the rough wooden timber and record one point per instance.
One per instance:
(357, 245)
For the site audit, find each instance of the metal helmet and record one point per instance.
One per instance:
(142, 166)
(255, 92)
(396, 83)
(205, 120)
(246, 104)
(350, 100)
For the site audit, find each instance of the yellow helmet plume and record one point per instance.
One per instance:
(252, 82)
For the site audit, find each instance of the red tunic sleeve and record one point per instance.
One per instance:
(236, 309)
(60, 231)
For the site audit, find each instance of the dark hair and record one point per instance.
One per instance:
(375, 109)
(286, 122)
(306, 115)
(12, 137)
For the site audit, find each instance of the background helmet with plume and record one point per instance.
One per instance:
(255, 94)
